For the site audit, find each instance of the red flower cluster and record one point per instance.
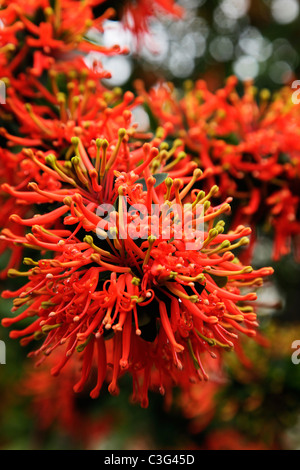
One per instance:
(250, 145)
(167, 306)
(37, 37)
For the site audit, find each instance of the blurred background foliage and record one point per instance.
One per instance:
(254, 39)
(254, 407)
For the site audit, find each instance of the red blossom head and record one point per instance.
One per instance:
(137, 304)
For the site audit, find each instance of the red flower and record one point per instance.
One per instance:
(137, 306)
